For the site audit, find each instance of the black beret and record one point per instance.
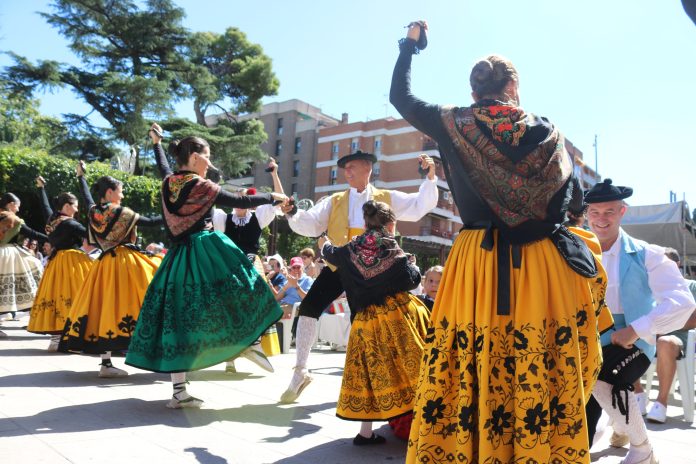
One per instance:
(358, 155)
(605, 191)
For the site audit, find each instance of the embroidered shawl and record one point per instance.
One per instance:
(9, 226)
(374, 253)
(54, 221)
(186, 199)
(111, 225)
(519, 184)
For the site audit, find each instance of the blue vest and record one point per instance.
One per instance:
(634, 291)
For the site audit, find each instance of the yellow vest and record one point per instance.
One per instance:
(338, 231)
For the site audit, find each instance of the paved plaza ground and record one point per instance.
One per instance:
(54, 409)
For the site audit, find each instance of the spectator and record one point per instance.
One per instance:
(297, 285)
(46, 250)
(431, 284)
(277, 277)
(311, 268)
(90, 250)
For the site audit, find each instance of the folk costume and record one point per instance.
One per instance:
(388, 327)
(105, 310)
(189, 319)
(64, 275)
(245, 232)
(647, 292)
(341, 217)
(20, 272)
(512, 352)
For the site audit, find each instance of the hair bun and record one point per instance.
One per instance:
(173, 148)
(482, 71)
(370, 208)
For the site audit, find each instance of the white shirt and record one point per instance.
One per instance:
(406, 206)
(264, 214)
(671, 292)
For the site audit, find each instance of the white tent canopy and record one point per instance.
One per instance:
(668, 225)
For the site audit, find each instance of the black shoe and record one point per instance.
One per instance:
(375, 439)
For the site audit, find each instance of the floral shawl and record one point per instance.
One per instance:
(186, 199)
(111, 225)
(374, 253)
(54, 221)
(515, 171)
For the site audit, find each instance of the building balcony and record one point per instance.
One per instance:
(435, 231)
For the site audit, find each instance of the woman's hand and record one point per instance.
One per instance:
(155, 133)
(414, 29)
(272, 166)
(81, 169)
(282, 198)
(40, 182)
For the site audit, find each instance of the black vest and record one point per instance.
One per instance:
(246, 237)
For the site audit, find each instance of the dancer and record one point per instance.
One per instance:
(513, 347)
(388, 323)
(67, 267)
(105, 310)
(206, 303)
(20, 272)
(340, 216)
(244, 226)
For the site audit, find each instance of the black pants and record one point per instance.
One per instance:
(593, 411)
(325, 289)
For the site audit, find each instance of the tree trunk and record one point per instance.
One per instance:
(200, 113)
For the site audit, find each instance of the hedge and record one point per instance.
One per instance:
(20, 166)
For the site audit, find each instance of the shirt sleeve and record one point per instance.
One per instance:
(306, 284)
(45, 204)
(314, 221)
(328, 251)
(413, 206)
(671, 293)
(219, 220)
(265, 214)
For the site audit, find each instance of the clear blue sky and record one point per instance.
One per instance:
(622, 69)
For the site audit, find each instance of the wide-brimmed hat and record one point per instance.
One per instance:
(605, 191)
(358, 155)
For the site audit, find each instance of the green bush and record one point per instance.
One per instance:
(20, 166)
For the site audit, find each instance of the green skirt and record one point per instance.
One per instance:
(205, 305)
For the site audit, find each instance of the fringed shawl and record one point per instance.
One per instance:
(54, 221)
(111, 225)
(186, 199)
(516, 178)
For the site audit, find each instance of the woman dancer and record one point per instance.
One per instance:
(206, 303)
(513, 348)
(106, 308)
(388, 324)
(20, 272)
(67, 267)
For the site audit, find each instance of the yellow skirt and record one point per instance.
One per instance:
(509, 388)
(383, 360)
(106, 309)
(62, 279)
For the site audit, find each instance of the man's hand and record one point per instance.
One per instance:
(427, 162)
(292, 280)
(322, 240)
(625, 337)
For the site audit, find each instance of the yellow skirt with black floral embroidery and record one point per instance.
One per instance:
(105, 311)
(383, 359)
(62, 279)
(509, 388)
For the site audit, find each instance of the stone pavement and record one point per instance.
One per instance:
(54, 409)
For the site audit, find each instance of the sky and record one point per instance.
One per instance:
(623, 70)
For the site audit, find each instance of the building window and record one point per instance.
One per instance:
(294, 189)
(334, 151)
(279, 131)
(279, 148)
(298, 144)
(333, 175)
(354, 145)
(378, 145)
(376, 170)
(296, 168)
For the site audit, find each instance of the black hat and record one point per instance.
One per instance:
(604, 191)
(358, 155)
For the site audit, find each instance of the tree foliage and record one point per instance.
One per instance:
(136, 60)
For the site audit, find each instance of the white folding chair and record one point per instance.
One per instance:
(685, 376)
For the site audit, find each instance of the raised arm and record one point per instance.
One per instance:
(32, 234)
(160, 156)
(45, 204)
(423, 116)
(84, 188)
(235, 200)
(277, 186)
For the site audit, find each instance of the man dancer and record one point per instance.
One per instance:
(341, 218)
(646, 294)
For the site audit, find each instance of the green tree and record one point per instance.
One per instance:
(130, 62)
